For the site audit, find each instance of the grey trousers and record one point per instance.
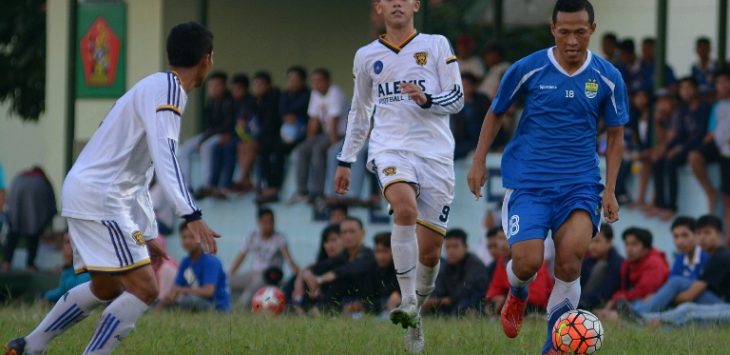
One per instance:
(247, 283)
(312, 157)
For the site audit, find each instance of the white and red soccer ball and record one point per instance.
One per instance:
(578, 332)
(268, 300)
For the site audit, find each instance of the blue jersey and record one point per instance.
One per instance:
(555, 141)
(207, 270)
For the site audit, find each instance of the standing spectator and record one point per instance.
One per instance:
(200, 284)
(720, 126)
(496, 67)
(327, 125)
(462, 280)
(217, 129)
(466, 124)
(386, 292)
(31, 208)
(601, 270)
(648, 63)
(703, 70)
(293, 107)
(709, 152)
(688, 130)
(247, 130)
(330, 246)
(268, 249)
(630, 66)
(642, 138)
(270, 147)
(609, 47)
(468, 61)
(2, 196)
(68, 279)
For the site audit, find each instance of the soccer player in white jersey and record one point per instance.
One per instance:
(409, 83)
(107, 204)
(550, 167)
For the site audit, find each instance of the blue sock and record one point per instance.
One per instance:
(519, 292)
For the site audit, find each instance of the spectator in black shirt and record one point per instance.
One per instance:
(293, 106)
(688, 130)
(244, 108)
(462, 280)
(467, 124)
(270, 157)
(386, 292)
(301, 296)
(601, 270)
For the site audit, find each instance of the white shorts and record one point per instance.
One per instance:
(434, 182)
(107, 246)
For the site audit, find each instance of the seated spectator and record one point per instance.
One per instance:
(496, 67)
(600, 271)
(641, 140)
(538, 291)
(268, 248)
(386, 292)
(69, 279)
(643, 272)
(31, 206)
(609, 47)
(2, 196)
(648, 65)
(247, 130)
(217, 129)
(713, 284)
(164, 210)
(720, 126)
(690, 259)
(337, 213)
(703, 70)
(293, 106)
(709, 151)
(462, 279)
(165, 269)
(469, 62)
(466, 124)
(330, 246)
(327, 124)
(630, 66)
(270, 154)
(200, 284)
(688, 130)
(492, 247)
(351, 273)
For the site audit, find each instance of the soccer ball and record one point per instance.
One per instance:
(578, 332)
(268, 300)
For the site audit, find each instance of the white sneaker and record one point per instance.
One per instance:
(414, 339)
(406, 315)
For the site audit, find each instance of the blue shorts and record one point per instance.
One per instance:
(530, 213)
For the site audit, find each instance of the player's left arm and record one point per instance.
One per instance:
(450, 99)
(615, 110)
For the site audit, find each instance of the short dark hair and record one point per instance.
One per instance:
(648, 40)
(688, 79)
(627, 46)
(299, 70)
(607, 231)
(263, 211)
(573, 6)
(494, 47)
(643, 235)
(611, 36)
(323, 72)
(725, 71)
(711, 221)
(339, 207)
(382, 238)
(702, 40)
(241, 79)
(456, 233)
(262, 75)
(354, 219)
(470, 77)
(684, 221)
(219, 75)
(492, 232)
(187, 44)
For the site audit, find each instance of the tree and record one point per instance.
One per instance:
(23, 57)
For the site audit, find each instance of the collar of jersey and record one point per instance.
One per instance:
(177, 76)
(393, 47)
(557, 66)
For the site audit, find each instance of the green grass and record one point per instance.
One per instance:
(242, 333)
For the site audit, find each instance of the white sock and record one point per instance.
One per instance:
(565, 297)
(116, 322)
(74, 306)
(425, 281)
(519, 286)
(404, 245)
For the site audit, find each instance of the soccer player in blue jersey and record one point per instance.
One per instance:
(550, 167)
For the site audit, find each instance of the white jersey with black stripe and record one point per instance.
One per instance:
(138, 137)
(399, 124)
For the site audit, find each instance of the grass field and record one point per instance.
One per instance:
(242, 333)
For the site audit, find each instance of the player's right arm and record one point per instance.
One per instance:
(358, 123)
(161, 119)
(509, 90)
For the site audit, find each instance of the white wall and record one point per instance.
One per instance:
(688, 19)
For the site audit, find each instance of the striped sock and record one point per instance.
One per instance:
(116, 322)
(74, 306)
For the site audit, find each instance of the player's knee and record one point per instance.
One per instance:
(405, 214)
(147, 293)
(568, 269)
(526, 265)
(105, 290)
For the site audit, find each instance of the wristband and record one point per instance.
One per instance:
(344, 164)
(196, 215)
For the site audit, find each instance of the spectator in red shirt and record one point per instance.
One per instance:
(539, 290)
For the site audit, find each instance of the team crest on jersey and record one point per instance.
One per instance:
(591, 88)
(378, 67)
(389, 171)
(138, 237)
(421, 58)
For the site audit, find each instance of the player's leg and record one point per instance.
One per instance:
(118, 319)
(572, 238)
